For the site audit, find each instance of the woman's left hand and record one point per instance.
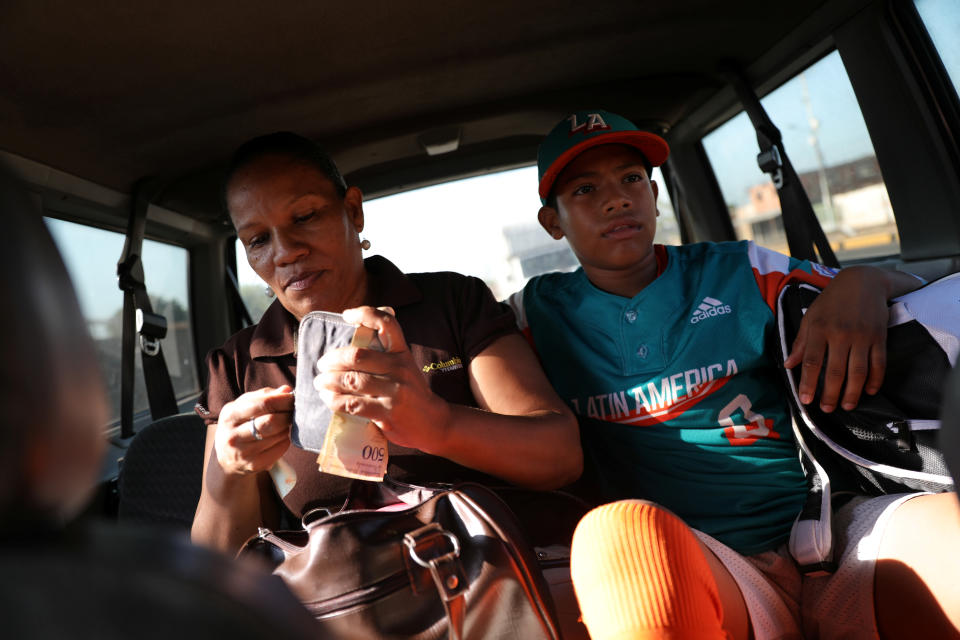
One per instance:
(385, 387)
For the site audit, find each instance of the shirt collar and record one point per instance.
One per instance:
(388, 286)
(663, 258)
(275, 335)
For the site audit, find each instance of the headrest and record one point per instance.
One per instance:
(52, 402)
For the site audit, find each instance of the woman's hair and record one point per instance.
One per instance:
(291, 145)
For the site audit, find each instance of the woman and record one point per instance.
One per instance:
(457, 389)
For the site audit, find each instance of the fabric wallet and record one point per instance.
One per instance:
(319, 332)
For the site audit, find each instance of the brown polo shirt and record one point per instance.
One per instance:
(447, 319)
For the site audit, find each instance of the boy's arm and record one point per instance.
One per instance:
(847, 323)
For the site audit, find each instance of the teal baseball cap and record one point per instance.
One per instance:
(585, 129)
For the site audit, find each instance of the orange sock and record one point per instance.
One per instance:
(639, 572)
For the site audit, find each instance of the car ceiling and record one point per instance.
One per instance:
(113, 92)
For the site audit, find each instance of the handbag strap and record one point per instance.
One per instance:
(438, 551)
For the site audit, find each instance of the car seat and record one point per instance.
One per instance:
(161, 472)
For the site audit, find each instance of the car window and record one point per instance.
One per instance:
(485, 226)
(942, 20)
(827, 141)
(91, 258)
(255, 293)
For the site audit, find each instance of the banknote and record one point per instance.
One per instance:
(348, 445)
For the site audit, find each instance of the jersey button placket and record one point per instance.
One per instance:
(641, 351)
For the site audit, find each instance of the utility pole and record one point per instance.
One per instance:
(828, 212)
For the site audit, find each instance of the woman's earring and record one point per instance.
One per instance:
(365, 244)
(269, 292)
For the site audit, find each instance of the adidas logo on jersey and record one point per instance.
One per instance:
(709, 308)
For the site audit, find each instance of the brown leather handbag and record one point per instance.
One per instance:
(453, 565)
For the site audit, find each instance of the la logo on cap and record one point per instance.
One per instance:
(594, 122)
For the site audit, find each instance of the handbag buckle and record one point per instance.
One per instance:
(425, 537)
(443, 564)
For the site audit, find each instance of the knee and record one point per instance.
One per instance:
(631, 529)
(636, 566)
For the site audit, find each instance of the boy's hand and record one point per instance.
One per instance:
(848, 324)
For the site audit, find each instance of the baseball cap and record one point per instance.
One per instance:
(584, 129)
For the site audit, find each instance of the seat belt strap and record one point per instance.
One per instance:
(241, 305)
(805, 236)
(141, 327)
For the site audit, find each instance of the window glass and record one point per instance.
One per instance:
(91, 258)
(828, 144)
(254, 291)
(484, 226)
(942, 20)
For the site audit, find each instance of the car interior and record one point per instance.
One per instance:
(119, 119)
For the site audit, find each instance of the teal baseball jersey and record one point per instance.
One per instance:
(694, 412)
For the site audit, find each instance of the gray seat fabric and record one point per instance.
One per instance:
(161, 473)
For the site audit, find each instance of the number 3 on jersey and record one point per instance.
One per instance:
(756, 426)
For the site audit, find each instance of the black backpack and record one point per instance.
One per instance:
(888, 444)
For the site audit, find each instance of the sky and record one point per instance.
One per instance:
(943, 24)
(455, 226)
(91, 257)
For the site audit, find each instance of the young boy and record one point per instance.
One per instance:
(666, 345)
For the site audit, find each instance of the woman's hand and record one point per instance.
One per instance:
(847, 323)
(521, 432)
(385, 387)
(253, 431)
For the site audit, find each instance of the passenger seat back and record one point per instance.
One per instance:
(161, 473)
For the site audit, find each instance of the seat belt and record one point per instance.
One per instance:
(679, 200)
(238, 299)
(139, 321)
(805, 236)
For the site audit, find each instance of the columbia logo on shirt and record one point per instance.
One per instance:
(709, 308)
(444, 365)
